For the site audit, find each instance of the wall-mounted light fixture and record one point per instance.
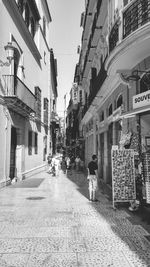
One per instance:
(127, 75)
(9, 48)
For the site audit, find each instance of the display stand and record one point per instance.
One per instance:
(123, 175)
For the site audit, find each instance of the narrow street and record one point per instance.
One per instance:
(48, 222)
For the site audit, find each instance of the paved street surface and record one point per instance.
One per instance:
(48, 222)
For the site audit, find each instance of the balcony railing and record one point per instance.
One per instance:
(96, 84)
(136, 15)
(114, 36)
(17, 90)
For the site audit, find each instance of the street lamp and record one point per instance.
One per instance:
(10, 54)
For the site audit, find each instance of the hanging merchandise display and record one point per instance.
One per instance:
(146, 172)
(125, 139)
(123, 175)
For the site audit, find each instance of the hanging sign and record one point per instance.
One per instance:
(141, 100)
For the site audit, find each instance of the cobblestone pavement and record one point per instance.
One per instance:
(48, 222)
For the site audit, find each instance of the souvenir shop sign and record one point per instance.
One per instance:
(123, 175)
(141, 100)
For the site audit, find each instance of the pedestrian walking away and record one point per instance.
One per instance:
(77, 162)
(49, 161)
(92, 178)
(68, 166)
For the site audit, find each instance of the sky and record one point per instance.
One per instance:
(65, 36)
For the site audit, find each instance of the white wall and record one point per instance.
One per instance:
(34, 75)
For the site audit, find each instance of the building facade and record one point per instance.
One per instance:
(114, 74)
(74, 136)
(54, 121)
(25, 87)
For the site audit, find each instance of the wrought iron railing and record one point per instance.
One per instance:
(136, 15)
(114, 36)
(15, 87)
(97, 83)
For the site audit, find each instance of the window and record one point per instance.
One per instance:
(44, 57)
(75, 96)
(145, 11)
(30, 143)
(36, 143)
(27, 15)
(45, 103)
(86, 99)
(44, 27)
(45, 147)
(110, 110)
(126, 2)
(119, 101)
(20, 6)
(101, 117)
(32, 27)
(45, 111)
(38, 102)
(80, 96)
(54, 104)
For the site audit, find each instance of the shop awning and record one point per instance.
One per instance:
(136, 111)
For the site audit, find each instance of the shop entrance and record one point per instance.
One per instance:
(109, 143)
(118, 132)
(102, 155)
(12, 171)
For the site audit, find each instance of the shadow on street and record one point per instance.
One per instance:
(126, 226)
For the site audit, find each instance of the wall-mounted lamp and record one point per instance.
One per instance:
(127, 76)
(135, 74)
(10, 54)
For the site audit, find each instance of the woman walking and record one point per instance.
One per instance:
(92, 177)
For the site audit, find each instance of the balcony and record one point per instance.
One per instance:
(90, 6)
(87, 27)
(96, 84)
(135, 16)
(95, 27)
(18, 97)
(114, 37)
(54, 119)
(129, 38)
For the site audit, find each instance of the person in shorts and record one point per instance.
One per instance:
(92, 177)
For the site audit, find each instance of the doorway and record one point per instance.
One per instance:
(12, 171)
(102, 155)
(109, 144)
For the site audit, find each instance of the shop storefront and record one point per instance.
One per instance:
(140, 142)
